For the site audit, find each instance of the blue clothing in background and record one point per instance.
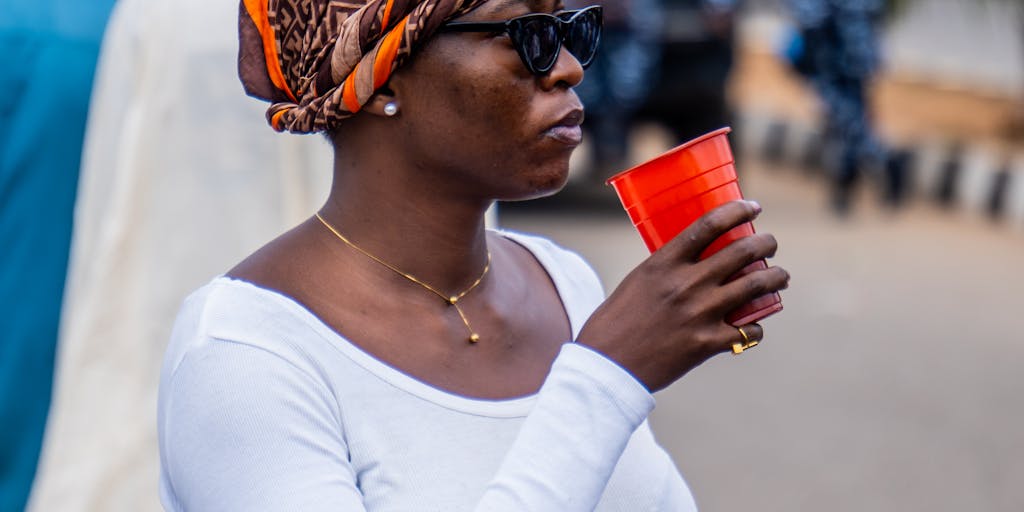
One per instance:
(838, 52)
(49, 50)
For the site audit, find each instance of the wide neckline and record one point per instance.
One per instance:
(499, 408)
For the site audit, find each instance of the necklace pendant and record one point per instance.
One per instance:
(451, 300)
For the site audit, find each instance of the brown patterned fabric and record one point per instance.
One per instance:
(319, 61)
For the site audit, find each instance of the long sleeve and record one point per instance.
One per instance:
(568, 447)
(244, 429)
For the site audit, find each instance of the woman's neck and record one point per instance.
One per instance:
(409, 222)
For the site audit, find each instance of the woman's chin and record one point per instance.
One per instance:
(542, 186)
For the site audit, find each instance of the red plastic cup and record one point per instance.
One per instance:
(668, 193)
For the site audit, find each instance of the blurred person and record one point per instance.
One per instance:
(697, 44)
(49, 48)
(390, 353)
(177, 181)
(618, 80)
(838, 52)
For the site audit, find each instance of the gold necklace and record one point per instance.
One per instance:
(451, 300)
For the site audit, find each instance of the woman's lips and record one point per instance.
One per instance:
(567, 130)
(568, 135)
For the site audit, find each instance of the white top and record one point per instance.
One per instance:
(264, 407)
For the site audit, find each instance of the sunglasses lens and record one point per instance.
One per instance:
(583, 36)
(538, 41)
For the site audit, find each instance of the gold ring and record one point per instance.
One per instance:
(738, 348)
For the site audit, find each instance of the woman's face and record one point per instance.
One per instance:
(472, 111)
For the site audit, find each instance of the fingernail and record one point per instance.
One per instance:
(756, 205)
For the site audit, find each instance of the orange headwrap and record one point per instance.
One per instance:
(319, 61)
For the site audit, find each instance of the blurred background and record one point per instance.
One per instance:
(885, 140)
(891, 381)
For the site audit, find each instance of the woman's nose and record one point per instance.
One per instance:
(567, 70)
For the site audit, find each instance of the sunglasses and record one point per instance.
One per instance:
(538, 38)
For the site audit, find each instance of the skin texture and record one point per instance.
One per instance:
(474, 126)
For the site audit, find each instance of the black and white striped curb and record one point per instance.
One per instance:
(968, 177)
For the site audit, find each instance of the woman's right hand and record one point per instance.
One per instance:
(668, 315)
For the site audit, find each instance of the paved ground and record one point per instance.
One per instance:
(891, 382)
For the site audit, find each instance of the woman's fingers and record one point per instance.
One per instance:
(738, 339)
(689, 244)
(751, 286)
(737, 255)
(668, 315)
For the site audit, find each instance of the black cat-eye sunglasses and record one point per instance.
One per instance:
(538, 38)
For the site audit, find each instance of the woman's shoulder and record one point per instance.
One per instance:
(279, 261)
(547, 251)
(229, 305)
(565, 266)
(230, 315)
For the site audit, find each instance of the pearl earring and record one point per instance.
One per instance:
(390, 109)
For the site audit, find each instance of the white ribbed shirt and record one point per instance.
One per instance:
(263, 407)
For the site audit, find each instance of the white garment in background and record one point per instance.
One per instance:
(265, 408)
(181, 178)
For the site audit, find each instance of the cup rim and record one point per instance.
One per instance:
(682, 147)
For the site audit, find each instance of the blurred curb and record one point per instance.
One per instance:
(967, 177)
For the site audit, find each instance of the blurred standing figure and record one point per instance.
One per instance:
(697, 42)
(618, 80)
(840, 55)
(50, 48)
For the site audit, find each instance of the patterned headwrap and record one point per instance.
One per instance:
(319, 61)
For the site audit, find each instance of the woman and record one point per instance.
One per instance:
(390, 353)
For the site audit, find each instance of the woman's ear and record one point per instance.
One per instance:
(382, 103)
